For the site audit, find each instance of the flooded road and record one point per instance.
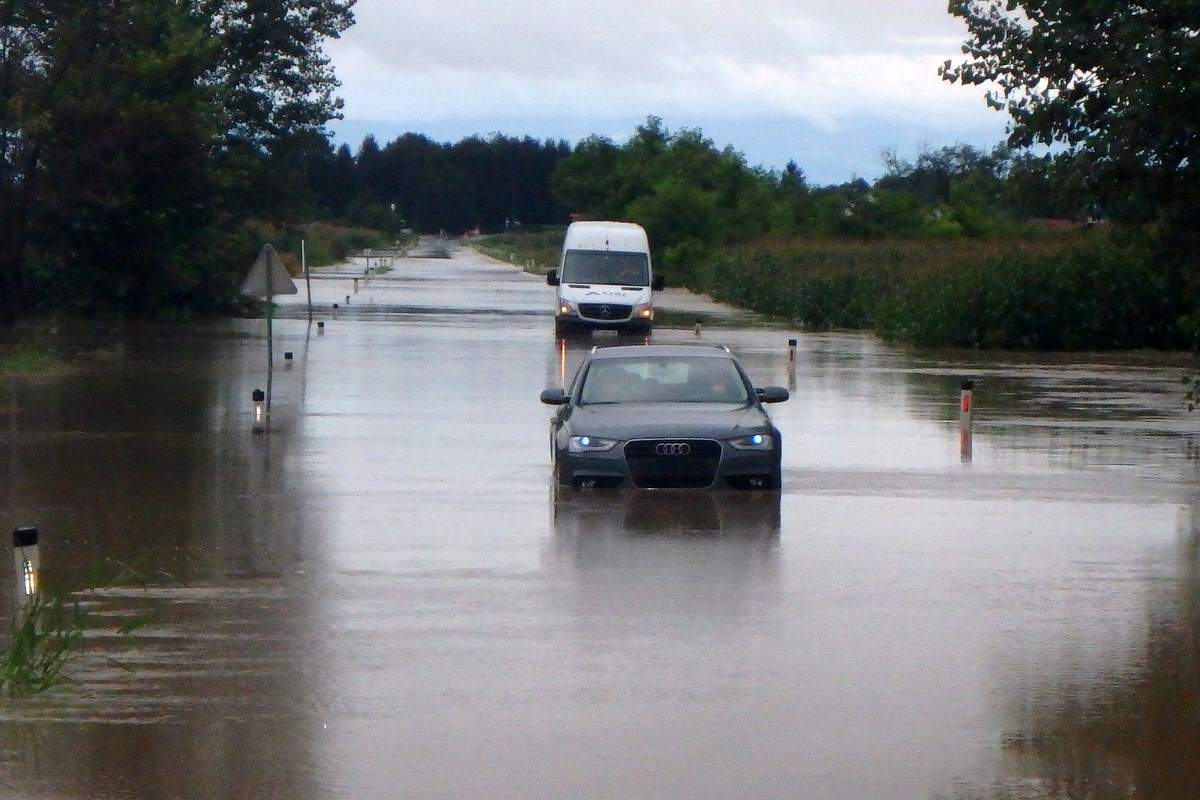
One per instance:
(386, 597)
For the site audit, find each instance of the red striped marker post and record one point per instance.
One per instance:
(966, 408)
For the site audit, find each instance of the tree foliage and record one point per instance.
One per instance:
(133, 133)
(1117, 83)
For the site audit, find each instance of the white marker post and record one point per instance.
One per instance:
(791, 365)
(25, 559)
(268, 278)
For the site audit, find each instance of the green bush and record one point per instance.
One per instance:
(1094, 296)
(1082, 293)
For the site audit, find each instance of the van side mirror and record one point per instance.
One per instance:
(554, 397)
(772, 394)
(658, 283)
(552, 278)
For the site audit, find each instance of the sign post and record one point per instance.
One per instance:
(267, 278)
(307, 279)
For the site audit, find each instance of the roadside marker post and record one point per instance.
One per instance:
(697, 327)
(966, 408)
(25, 559)
(258, 397)
(335, 308)
(267, 278)
(966, 405)
(791, 365)
(320, 328)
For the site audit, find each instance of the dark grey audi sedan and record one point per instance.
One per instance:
(664, 417)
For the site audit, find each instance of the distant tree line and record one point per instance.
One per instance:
(694, 197)
(488, 183)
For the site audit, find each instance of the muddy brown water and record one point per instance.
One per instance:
(385, 597)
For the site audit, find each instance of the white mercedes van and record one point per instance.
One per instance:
(604, 279)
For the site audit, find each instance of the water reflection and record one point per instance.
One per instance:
(152, 463)
(1131, 730)
(642, 551)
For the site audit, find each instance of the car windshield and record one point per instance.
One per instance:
(607, 267)
(663, 379)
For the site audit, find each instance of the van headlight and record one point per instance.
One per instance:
(759, 441)
(591, 444)
(565, 308)
(644, 311)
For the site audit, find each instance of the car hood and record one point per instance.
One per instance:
(625, 421)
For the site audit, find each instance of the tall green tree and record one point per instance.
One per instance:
(135, 134)
(1116, 82)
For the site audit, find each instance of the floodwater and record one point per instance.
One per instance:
(384, 596)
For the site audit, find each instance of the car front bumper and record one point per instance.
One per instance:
(734, 469)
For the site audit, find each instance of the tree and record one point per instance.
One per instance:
(1116, 82)
(133, 131)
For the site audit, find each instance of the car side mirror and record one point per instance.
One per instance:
(554, 397)
(772, 394)
(552, 278)
(658, 283)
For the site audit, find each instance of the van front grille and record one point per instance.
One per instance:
(605, 311)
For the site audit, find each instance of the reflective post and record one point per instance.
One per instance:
(356, 285)
(320, 328)
(965, 410)
(697, 327)
(791, 365)
(966, 405)
(258, 397)
(335, 308)
(25, 560)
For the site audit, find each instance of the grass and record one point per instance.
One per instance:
(45, 639)
(325, 243)
(31, 357)
(48, 632)
(536, 251)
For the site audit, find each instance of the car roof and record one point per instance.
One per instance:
(650, 350)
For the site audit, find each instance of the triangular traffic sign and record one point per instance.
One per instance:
(268, 276)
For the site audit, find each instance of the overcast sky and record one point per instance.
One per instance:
(829, 84)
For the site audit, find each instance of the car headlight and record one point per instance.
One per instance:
(565, 308)
(644, 311)
(591, 444)
(759, 441)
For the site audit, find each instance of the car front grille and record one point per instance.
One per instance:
(673, 463)
(606, 311)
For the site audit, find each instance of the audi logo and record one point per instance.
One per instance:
(673, 449)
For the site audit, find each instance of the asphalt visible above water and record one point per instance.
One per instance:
(386, 597)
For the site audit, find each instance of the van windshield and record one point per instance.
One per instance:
(606, 266)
